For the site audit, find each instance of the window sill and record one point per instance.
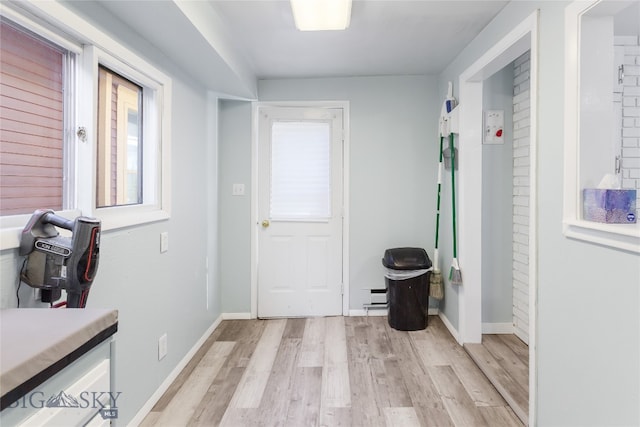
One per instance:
(619, 236)
(111, 218)
(12, 226)
(128, 216)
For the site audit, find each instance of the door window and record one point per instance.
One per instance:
(300, 171)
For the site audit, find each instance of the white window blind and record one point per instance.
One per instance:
(32, 105)
(300, 171)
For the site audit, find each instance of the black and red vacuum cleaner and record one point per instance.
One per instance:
(55, 263)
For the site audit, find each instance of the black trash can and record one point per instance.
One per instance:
(407, 287)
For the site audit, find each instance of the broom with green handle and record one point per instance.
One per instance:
(435, 282)
(455, 275)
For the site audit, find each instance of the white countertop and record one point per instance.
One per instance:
(34, 339)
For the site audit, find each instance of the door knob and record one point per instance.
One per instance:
(265, 223)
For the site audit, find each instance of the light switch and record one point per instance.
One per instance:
(164, 241)
(238, 190)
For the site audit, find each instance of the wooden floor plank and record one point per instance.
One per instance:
(274, 405)
(397, 392)
(253, 382)
(248, 336)
(459, 404)
(215, 402)
(474, 381)
(151, 419)
(294, 328)
(188, 369)
(239, 417)
(337, 417)
(336, 390)
(509, 361)
(429, 354)
(517, 346)
(388, 384)
(337, 371)
(401, 417)
(242, 330)
(185, 402)
(511, 391)
(304, 403)
(312, 352)
(433, 344)
(365, 407)
(500, 416)
(424, 396)
(437, 347)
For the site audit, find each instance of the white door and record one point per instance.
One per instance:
(300, 211)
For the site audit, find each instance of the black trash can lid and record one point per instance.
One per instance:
(406, 259)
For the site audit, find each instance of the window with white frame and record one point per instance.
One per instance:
(83, 131)
(128, 118)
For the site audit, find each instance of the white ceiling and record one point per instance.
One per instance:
(385, 37)
(229, 44)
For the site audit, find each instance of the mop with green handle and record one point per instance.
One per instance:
(455, 275)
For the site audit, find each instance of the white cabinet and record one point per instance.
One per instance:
(57, 366)
(75, 396)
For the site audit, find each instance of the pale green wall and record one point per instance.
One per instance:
(497, 205)
(235, 211)
(393, 164)
(156, 293)
(588, 328)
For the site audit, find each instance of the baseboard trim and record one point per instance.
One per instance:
(497, 328)
(236, 316)
(433, 311)
(155, 397)
(453, 331)
(371, 312)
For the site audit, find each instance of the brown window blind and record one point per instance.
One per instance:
(31, 122)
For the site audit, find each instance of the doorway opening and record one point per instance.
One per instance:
(498, 206)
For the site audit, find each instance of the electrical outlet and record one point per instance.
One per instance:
(238, 190)
(164, 242)
(162, 347)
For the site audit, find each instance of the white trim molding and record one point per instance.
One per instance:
(497, 328)
(236, 316)
(433, 311)
(453, 331)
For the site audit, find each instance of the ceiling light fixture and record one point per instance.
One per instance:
(321, 15)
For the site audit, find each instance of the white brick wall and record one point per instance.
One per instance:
(629, 97)
(521, 130)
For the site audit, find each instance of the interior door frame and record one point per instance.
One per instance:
(255, 107)
(523, 37)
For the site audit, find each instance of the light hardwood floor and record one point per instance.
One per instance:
(333, 371)
(504, 359)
